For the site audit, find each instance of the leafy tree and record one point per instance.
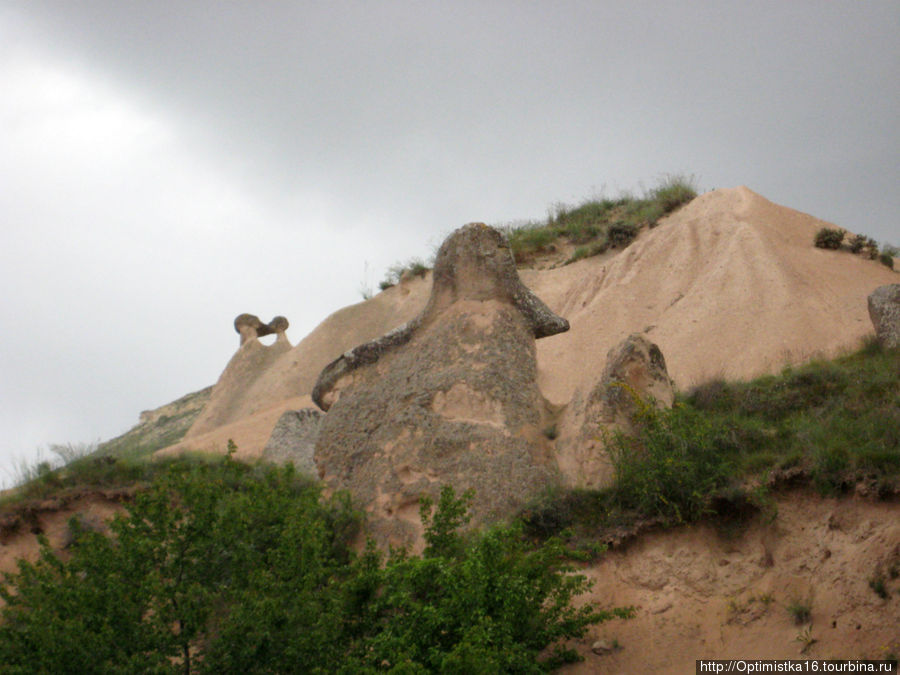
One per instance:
(228, 568)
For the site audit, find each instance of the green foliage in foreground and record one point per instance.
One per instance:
(831, 424)
(596, 226)
(227, 568)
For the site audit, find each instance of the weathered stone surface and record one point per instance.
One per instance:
(294, 440)
(450, 398)
(635, 375)
(635, 372)
(474, 263)
(884, 310)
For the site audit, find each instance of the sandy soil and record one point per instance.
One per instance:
(703, 593)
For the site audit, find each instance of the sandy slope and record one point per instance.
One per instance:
(700, 593)
(730, 285)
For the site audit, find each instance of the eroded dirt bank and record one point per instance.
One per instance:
(707, 592)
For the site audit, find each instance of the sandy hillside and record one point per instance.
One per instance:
(730, 285)
(703, 593)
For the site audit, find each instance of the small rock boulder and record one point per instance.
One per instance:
(294, 440)
(884, 310)
(635, 375)
(635, 372)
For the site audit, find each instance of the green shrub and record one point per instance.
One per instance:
(829, 238)
(673, 192)
(230, 568)
(621, 234)
(800, 610)
(860, 241)
(887, 260)
(673, 465)
(415, 267)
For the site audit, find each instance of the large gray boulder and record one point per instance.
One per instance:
(294, 440)
(450, 398)
(884, 310)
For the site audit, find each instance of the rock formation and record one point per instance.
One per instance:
(249, 326)
(884, 310)
(294, 440)
(448, 398)
(635, 375)
(251, 362)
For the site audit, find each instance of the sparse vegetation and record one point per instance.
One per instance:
(832, 424)
(800, 610)
(414, 267)
(597, 225)
(859, 244)
(829, 238)
(152, 435)
(805, 638)
(878, 583)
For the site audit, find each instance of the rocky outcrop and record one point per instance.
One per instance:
(475, 263)
(449, 398)
(234, 390)
(249, 326)
(635, 376)
(884, 310)
(294, 440)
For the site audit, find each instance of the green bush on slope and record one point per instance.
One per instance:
(228, 568)
(831, 424)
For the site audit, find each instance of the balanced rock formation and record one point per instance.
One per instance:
(884, 310)
(249, 326)
(251, 362)
(448, 398)
(635, 375)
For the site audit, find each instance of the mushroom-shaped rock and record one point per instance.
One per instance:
(279, 324)
(249, 326)
(449, 398)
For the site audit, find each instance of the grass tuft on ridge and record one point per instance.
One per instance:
(598, 225)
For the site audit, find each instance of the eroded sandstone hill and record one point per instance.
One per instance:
(729, 285)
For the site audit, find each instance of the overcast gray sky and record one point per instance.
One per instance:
(166, 165)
